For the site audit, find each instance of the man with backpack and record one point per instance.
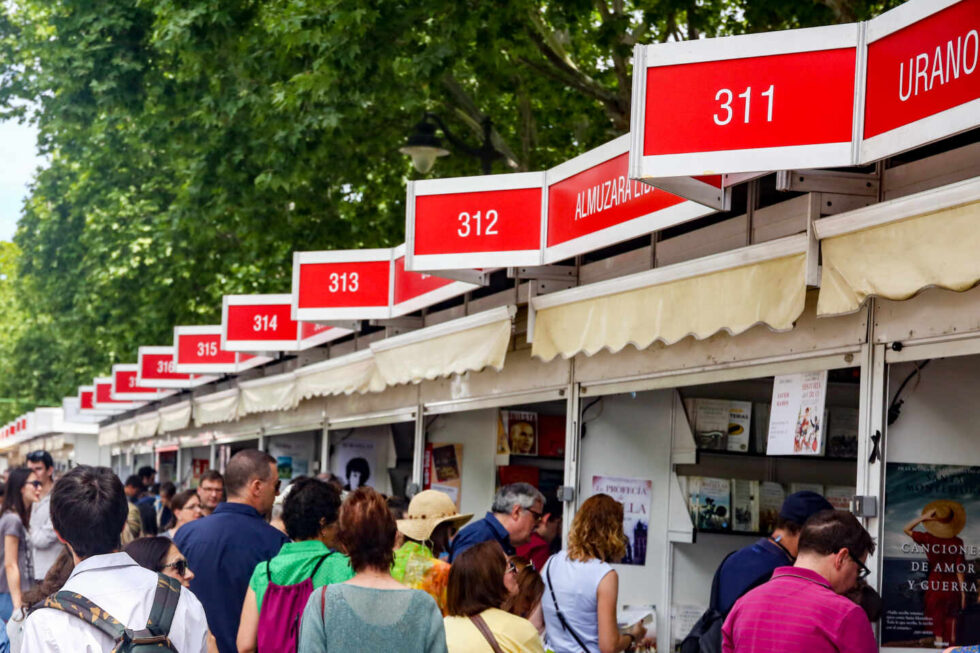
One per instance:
(109, 602)
(752, 566)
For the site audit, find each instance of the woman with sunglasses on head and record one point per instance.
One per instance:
(23, 490)
(427, 526)
(160, 555)
(481, 582)
(186, 507)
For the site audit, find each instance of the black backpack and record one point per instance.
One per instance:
(705, 636)
(151, 639)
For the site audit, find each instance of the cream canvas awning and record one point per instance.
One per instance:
(466, 344)
(127, 430)
(175, 417)
(109, 435)
(146, 425)
(272, 393)
(218, 407)
(732, 291)
(344, 375)
(897, 248)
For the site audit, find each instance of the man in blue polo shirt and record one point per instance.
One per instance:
(754, 564)
(517, 508)
(223, 548)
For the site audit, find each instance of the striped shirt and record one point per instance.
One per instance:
(797, 611)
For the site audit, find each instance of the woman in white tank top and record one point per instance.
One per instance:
(581, 587)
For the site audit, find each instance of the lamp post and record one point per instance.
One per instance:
(425, 147)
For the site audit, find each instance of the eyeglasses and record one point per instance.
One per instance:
(36, 484)
(863, 571)
(538, 516)
(180, 566)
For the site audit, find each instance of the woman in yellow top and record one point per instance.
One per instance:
(480, 582)
(429, 523)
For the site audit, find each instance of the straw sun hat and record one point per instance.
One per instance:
(427, 510)
(950, 518)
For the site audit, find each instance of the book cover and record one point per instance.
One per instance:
(711, 419)
(745, 505)
(714, 504)
(840, 496)
(691, 485)
(522, 432)
(771, 497)
(842, 433)
(739, 425)
(796, 420)
(760, 427)
(551, 435)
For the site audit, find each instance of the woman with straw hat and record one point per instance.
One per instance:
(944, 591)
(430, 522)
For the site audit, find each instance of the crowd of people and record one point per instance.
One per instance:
(95, 564)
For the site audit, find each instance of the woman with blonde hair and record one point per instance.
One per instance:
(581, 589)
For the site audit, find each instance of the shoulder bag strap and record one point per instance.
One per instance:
(561, 617)
(164, 605)
(323, 605)
(320, 562)
(484, 629)
(78, 606)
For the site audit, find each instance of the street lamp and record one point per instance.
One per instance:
(425, 147)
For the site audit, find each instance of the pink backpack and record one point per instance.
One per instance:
(282, 607)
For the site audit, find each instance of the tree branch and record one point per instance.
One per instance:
(469, 113)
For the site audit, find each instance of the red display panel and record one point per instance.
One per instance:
(923, 76)
(475, 222)
(86, 400)
(124, 381)
(804, 98)
(261, 322)
(203, 349)
(409, 285)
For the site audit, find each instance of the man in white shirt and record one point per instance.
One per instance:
(88, 510)
(43, 539)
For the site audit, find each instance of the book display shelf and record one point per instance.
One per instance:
(735, 486)
(531, 445)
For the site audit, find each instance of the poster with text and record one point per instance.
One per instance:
(930, 552)
(445, 474)
(356, 463)
(796, 425)
(635, 494)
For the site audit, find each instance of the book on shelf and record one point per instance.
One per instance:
(760, 427)
(720, 424)
(710, 501)
(842, 433)
(745, 505)
(739, 425)
(840, 496)
(771, 497)
(806, 487)
(709, 422)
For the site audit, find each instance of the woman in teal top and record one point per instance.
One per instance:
(310, 515)
(372, 611)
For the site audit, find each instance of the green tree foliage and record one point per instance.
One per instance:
(195, 144)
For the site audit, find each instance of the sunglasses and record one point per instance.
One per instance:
(863, 571)
(36, 484)
(36, 456)
(511, 567)
(180, 566)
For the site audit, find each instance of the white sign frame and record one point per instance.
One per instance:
(479, 184)
(159, 393)
(237, 367)
(344, 313)
(294, 344)
(195, 380)
(924, 130)
(115, 406)
(811, 39)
